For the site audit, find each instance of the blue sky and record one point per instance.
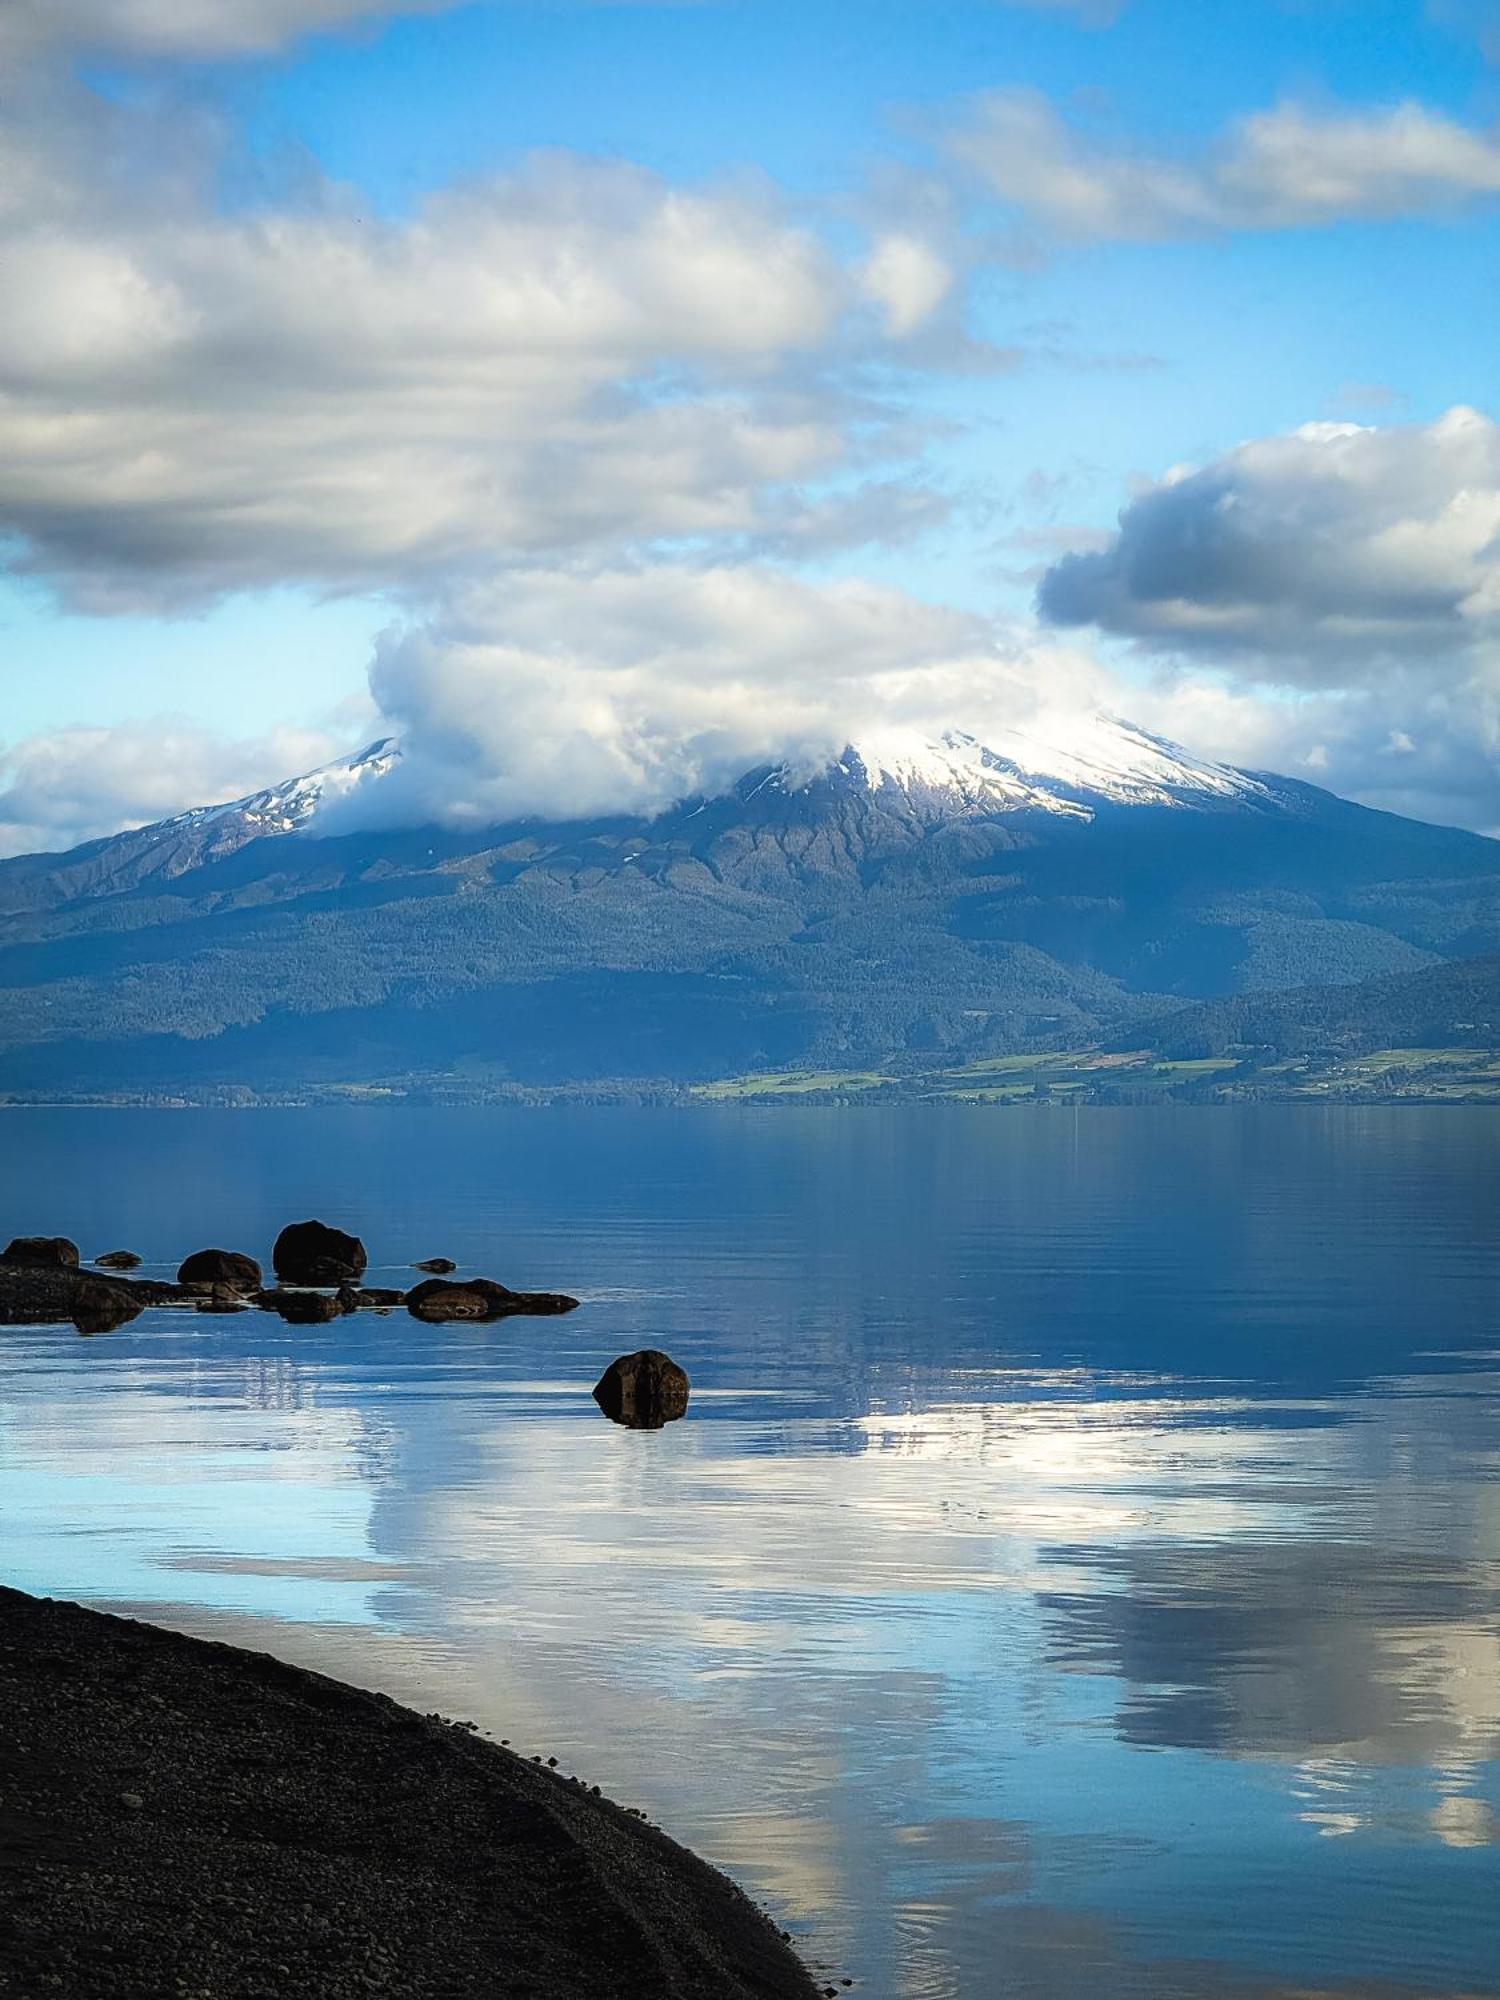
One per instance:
(1128, 239)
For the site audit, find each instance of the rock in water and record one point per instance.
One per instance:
(53, 1253)
(479, 1298)
(99, 1307)
(220, 1299)
(220, 1267)
(312, 1253)
(118, 1260)
(439, 1266)
(643, 1391)
(301, 1308)
(437, 1300)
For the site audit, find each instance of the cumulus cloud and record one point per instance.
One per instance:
(1287, 167)
(1321, 554)
(65, 786)
(556, 693)
(1341, 586)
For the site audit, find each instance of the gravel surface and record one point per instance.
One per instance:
(180, 1818)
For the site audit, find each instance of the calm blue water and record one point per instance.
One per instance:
(1078, 1572)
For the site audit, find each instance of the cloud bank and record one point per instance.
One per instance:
(574, 355)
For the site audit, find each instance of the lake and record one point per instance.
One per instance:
(1078, 1573)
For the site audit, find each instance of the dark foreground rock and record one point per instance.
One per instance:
(479, 1299)
(57, 1253)
(220, 1267)
(643, 1391)
(313, 1253)
(181, 1817)
(118, 1260)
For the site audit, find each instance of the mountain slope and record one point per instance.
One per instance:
(910, 896)
(1446, 1006)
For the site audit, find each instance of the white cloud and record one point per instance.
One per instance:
(1287, 167)
(908, 280)
(65, 786)
(1315, 556)
(557, 692)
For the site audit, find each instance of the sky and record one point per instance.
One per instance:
(603, 397)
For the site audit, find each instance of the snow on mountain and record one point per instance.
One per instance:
(1096, 760)
(285, 807)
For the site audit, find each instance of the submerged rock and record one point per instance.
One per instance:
(479, 1299)
(438, 1265)
(371, 1298)
(52, 1253)
(314, 1253)
(643, 1391)
(220, 1267)
(118, 1260)
(301, 1308)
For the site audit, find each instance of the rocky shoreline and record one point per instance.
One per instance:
(183, 1818)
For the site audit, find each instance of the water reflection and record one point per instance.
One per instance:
(1078, 1570)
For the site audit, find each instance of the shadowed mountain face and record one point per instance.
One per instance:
(909, 898)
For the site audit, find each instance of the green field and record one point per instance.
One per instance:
(1092, 1075)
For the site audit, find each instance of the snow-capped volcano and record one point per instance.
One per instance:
(1094, 761)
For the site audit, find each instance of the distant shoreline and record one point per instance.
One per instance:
(177, 1814)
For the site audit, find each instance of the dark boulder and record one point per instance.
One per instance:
(440, 1266)
(52, 1253)
(370, 1298)
(643, 1391)
(301, 1308)
(479, 1299)
(220, 1267)
(312, 1253)
(118, 1260)
(99, 1306)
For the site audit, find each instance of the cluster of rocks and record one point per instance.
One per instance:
(319, 1272)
